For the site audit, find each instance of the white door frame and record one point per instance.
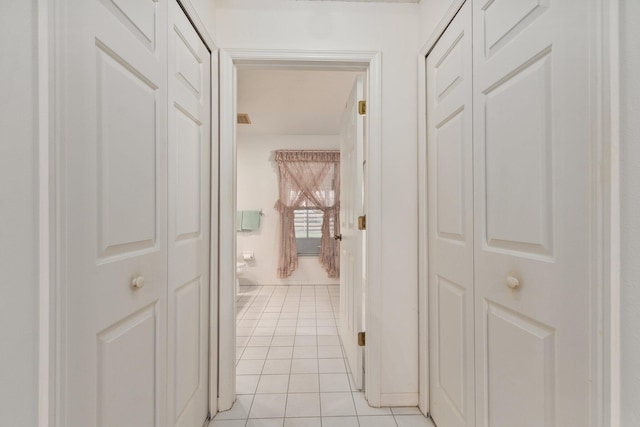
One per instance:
(605, 212)
(230, 59)
(51, 287)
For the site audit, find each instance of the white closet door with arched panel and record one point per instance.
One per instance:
(532, 209)
(113, 109)
(450, 201)
(189, 124)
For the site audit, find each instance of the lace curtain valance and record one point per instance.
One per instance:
(309, 179)
(331, 156)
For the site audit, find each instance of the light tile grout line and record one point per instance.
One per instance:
(318, 360)
(241, 315)
(259, 376)
(286, 402)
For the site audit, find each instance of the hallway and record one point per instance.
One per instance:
(291, 370)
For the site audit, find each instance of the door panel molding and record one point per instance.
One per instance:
(189, 143)
(141, 21)
(450, 225)
(513, 342)
(117, 365)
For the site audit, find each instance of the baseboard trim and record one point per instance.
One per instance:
(399, 399)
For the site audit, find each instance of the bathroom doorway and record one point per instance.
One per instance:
(288, 317)
(232, 61)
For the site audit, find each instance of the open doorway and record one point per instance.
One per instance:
(232, 63)
(290, 185)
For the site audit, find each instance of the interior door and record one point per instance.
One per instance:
(189, 124)
(113, 111)
(450, 227)
(351, 206)
(532, 177)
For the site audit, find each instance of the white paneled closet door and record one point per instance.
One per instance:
(135, 211)
(113, 202)
(450, 201)
(189, 218)
(532, 176)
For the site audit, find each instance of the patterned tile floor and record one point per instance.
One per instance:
(290, 367)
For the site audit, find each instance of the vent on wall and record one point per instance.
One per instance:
(243, 119)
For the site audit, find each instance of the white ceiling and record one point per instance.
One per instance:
(292, 102)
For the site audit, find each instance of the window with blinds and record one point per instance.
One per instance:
(308, 228)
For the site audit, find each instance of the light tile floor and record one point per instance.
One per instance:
(290, 367)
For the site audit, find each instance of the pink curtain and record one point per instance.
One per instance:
(309, 179)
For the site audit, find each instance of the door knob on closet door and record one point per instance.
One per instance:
(513, 282)
(338, 237)
(137, 282)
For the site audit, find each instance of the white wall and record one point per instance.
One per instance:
(258, 189)
(18, 215)
(393, 30)
(630, 197)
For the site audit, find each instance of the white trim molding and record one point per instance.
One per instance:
(226, 230)
(46, 193)
(369, 62)
(605, 211)
(605, 150)
(215, 236)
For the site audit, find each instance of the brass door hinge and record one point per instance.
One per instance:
(362, 222)
(361, 339)
(362, 107)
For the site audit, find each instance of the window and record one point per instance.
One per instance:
(308, 228)
(308, 193)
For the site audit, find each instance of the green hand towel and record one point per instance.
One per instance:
(250, 220)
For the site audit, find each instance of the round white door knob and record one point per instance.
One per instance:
(512, 282)
(137, 282)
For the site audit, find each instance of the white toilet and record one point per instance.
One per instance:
(240, 268)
